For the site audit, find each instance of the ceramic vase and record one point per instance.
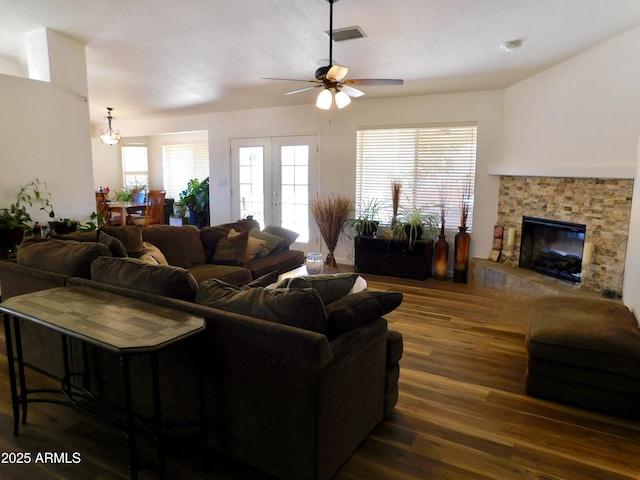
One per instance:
(461, 260)
(442, 257)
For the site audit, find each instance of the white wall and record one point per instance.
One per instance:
(582, 116)
(338, 143)
(46, 135)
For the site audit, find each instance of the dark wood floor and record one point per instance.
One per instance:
(462, 413)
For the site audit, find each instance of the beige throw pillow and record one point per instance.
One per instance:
(254, 245)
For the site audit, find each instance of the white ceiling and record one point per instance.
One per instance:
(165, 57)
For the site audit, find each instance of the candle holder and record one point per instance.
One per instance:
(315, 264)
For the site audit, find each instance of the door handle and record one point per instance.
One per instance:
(274, 199)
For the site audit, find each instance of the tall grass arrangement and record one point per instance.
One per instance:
(465, 204)
(331, 215)
(396, 188)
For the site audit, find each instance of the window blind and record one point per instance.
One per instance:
(182, 163)
(434, 164)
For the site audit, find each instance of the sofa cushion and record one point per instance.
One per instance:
(62, 256)
(263, 281)
(116, 247)
(288, 236)
(181, 245)
(90, 236)
(231, 250)
(270, 241)
(244, 225)
(358, 309)
(279, 262)
(330, 287)
(130, 236)
(227, 273)
(300, 308)
(165, 280)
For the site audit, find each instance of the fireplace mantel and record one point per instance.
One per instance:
(604, 171)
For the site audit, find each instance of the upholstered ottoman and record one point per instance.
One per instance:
(584, 352)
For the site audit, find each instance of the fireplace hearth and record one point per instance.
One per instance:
(552, 247)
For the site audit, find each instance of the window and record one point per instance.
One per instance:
(182, 163)
(434, 164)
(135, 170)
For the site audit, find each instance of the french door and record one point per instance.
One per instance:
(273, 179)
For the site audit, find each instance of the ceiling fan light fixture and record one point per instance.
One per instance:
(325, 99)
(342, 99)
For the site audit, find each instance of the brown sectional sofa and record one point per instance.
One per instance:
(291, 396)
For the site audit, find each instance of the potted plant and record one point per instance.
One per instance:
(15, 220)
(126, 194)
(196, 198)
(414, 221)
(62, 226)
(366, 224)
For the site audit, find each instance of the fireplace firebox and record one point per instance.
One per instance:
(552, 247)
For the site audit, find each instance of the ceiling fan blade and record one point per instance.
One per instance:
(374, 81)
(352, 92)
(289, 79)
(337, 73)
(300, 90)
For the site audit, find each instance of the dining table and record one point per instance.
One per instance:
(123, 208)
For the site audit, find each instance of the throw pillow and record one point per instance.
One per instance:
(135, 274)
(271, 241)
(148, 259)
(210, 236)
(231, 250)
(300, 308)
(253, 245)
(288, 237)
(358, 309)
(330, 287)
(130, 236)
(116, 246)
(153, 252)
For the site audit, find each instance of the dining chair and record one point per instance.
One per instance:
(138, 204)
(154, 210)
(105, 215)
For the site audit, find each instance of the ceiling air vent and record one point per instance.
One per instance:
(347, 33)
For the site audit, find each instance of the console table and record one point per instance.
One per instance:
(125, 326)
(382, 256)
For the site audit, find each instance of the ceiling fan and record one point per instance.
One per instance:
(332, 79)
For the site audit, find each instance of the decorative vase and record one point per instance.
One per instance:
(331, 260)
(315, 264)
(442, 257)
(461, 259)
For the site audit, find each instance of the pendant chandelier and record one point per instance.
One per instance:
(109, 136)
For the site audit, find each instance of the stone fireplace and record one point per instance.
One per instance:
(603, 206)
(552, 248)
